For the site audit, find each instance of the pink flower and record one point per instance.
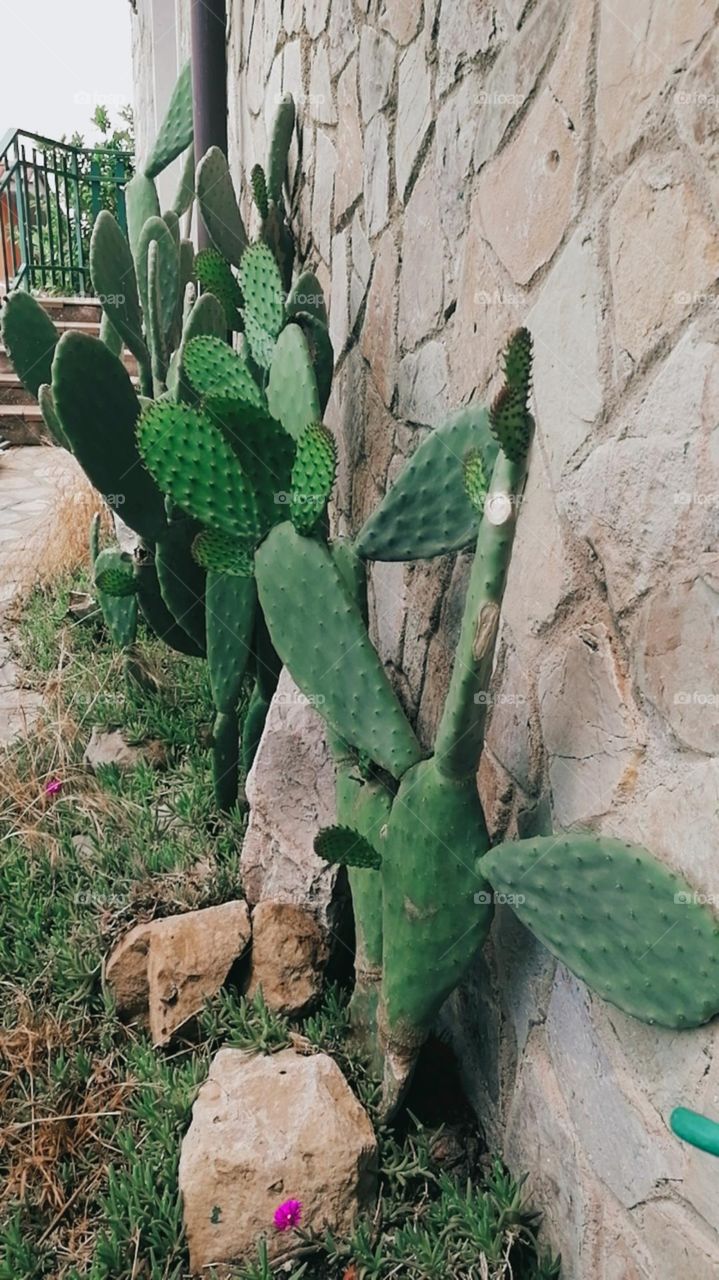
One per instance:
(288, 1215)
(53, 786)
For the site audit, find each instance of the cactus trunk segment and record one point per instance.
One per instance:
(292, 394)
(155, 611)
(50, 418)
(114, 281)
(231, 606)
(89, 386)
(175, 133)
(30, 338)
(427, 511)
(634, 931)
(219, 208)
(461, 730)
(435, 911)
(119, 613)
(320, 635)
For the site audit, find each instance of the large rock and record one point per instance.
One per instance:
(163, 971)
(290, 950)
(111, 747)
(291, 794)
(265, 1130)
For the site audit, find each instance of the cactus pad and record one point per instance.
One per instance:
(322, 355)
(175, 133)
(114, 281)
(313, 475)
(50, 418)
(216, 372)
(91, 386)
(306, 297)
(518, 364)
(292, 394)
(633, 930)
(215, 275)
(156, 231)
(511, 424)
(30, 338)
(222, 554)
(259, 190)
(218, 205)
(320, 635)
(476, 481)
(341, 846)
(262, 289)
(141, 203)
(428, 512)
(114, 574)
(280, 139)
(261, 343)
(196, 467)
(185, 193)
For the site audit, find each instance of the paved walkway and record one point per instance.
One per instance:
(43, 516)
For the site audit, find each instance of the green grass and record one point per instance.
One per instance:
(92, 1116)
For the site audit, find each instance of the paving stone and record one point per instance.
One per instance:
(350, 147)
(641, 47)
(376, 71)
(376, 175)
(654, 287)
(414, 111)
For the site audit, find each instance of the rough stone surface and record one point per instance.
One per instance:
(376, 174)
(268, 1129)
(376, 69)
(350, 159)
(421, 292)
(413, 112)
(278, 858)
(111, 747)
(379, 343)
(164, 971)
(289, 956)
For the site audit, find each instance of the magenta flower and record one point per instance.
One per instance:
(288, 1215)
(53, 786)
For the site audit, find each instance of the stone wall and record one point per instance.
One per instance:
(466, 166)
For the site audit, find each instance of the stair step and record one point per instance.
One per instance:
(69, 309)
(128, 360)
(22, 424)
(12, 391)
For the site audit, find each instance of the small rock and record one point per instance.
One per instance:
(163, 971)
(110, 746)
(289, 953)
(82, 606)
(264, 1130)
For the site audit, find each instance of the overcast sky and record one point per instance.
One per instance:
(59, 59)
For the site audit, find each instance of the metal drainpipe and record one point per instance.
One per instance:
(208, 19)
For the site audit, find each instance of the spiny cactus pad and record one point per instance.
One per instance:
(341, 846)
(180, 578)
(292, 394)
(196, 467)
(90, 386)
(156, 231)
(206, 319)
(265, 452)
(259, 190)
(175, 133)
(321, 352)
(215, 274)
(511, 424)
(633, 930)
(261, 343)
(141, 203)
(476, 481)
(320, 635)
(262, 289)
(313, 475)
(114, 573)
(222, 554)
(113, 278)
(518, 363)
(428, 512)
(306, 296)
(185, 193)
(216, 372)
(30, 338)
(219, 208)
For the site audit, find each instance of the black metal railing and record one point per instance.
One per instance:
(50, 196)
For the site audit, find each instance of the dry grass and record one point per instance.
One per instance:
(60, 545)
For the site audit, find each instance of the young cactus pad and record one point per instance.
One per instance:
(633, 930)
(215, 275)
(292, 394)
(313, 475)
(175, 133)
(219, 208)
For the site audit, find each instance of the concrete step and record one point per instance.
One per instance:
(62, 310)
(22, 424)
(12, 391)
